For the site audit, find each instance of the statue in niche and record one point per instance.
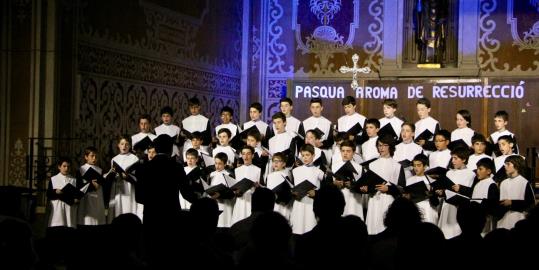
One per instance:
(430, 26)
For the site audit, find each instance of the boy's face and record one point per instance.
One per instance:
(144, 125)
(311, 139)
(389, 111)
(286, 108)
(280, 125)
(196, 142)
(383, 149)
(91, 158)
(461, 122)
(123, 146)
(194, 109)
(422, 111)
(505, 147)
(499, 123)
(371, 129)
(151, 153)
(479, 148)
(349, 109)
(510, 168)
(254, 114)
(247, 156)
(278, 164)
(191, 160)
(316, 109)
(482, 173)
(457, 162)
(419, 167)
(251, 141)
(347, 153)
(406, 133)
(307, 157)
(226, 117)
(223, 138)
(166, 118)
(440, 142)
(219, 165)
(64, 168)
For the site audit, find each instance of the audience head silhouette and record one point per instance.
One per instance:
(328, 203)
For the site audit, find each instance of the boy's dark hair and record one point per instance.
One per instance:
(222, 157)
(287, 100)
(197, 135)
(444, 133)
(145, 116)
(316, 100)
(411, 125)
(507, 138)
(421, 158)
(315, 132)
(250, 148)
(518, 162)
(281, 156)
(191, 152)
(61, 161)
(194, 101)
(124, 137)
(255, 134)
(228, 110)
(467, 116)
(225, 130)
(279, 115)
(341, 136)
(462, 153)
(502, 114)
(307, 148)
(478, 137)
(347, 143)
(391, 103)
(486, 163)
(348, 100)
(373, 121)
(257, 106)
(168, 110)
(90, 149)
(389, 140)
(424, 101)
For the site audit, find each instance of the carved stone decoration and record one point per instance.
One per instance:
(488, 44)
(17, 165)
(529, 38)
(327, 38)
(374, 46)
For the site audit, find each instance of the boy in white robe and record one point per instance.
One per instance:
(426, 126)
(282, 141)
(226, 122)
(169, 128)
(463, 131)
(144, 124)
(63, 210)
(351, 123)
(317, 121)
(501, 120)
(224, 146)
(255, 114)
(422, 196)
(292, 123)
(441, 158)
(353, 200)
(196, 122)
(390, 108)
(280, 176)
(368, 148)
(479, 145)
(91, 209)
(407, 150)
(250, 172)
(486, 192)
(505, 145)
(225, 199)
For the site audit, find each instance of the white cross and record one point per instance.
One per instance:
(354, 70)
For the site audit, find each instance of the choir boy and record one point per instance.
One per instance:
(140, 143)
(246, 172)
(368, 148)
(479, 145)
(407, 149)
(501, 119)
(225, 199)
(351, 123)
(486, 192)
(255, 114)
(418, 189)
(169, 128)
(426, 126)
(463, 131)
(63, 208)
(224, 147)
(346, 172)
(91, 210)
(196, 122)
(282, 141)
(319, 122)
(227, 114)
(390, 107)
(279, 181)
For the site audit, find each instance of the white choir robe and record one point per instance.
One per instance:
(395, 123)
(407, 151)
(369, 149)
(473, 159)
(480, 191)
(497, 134)
(195, 123)
(321, 123)
(91, 209)
(279, 143)
(429, 213)
(317, 155)
(499, 162)
(185, 204)
(336, 157)
(354, 201)
(427, 123)
(390, 170)
(122, 193)
(292, 125)
(464, 134)
(513, 189)
(273, 180)
(226, 206)
(242, 207)
(172, 131)
(62, 214)
(262, 127)
(440, 159)
(302, 216)
(228, 150)
(448, 214)
(234, 129)
(346, 122)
